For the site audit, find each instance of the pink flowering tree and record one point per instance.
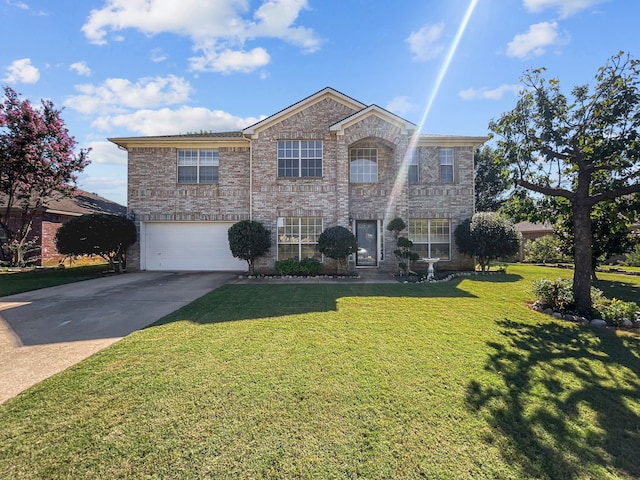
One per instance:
(37, 160)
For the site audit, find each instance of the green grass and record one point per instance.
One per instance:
(18, 282)
(457, 380)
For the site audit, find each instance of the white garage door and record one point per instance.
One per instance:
(188, 246)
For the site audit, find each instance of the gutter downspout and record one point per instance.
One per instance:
(250, 175)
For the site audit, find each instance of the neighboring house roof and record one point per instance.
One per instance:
(529, 227)
(81, 203)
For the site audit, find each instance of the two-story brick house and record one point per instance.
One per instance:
(326, 160)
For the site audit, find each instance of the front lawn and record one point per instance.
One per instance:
(18, 282)
(455, 380)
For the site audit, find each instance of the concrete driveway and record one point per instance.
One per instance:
(45, 331)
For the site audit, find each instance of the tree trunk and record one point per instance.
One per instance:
(583, 258)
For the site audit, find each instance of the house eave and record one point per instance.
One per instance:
(179, 141)
(450, 141)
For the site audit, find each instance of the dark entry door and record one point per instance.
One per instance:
(367, 236)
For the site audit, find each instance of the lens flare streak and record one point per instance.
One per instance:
(401, 177)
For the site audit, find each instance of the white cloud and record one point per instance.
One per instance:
(230, 61)
(157, 55)
(486, 94)
(168, 122)
(20, 5)
(106, 153)
(81, 68)
(22, 71)
(25, 7)
(401, 106)
(535, 41)
(120, 94)
(217, 28)
(425, 43)
(565, 8)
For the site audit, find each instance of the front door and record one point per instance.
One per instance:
(367, 236)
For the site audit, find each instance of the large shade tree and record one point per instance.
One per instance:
(492, 183)
(583, 147)
(37, 160)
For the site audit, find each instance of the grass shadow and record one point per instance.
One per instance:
(565, 404)
(273, 300)
(627, 291)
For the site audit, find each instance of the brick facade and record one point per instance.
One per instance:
(249, 185)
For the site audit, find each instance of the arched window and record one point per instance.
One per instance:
(363, 165)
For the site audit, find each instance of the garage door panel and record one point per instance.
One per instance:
(189, 246)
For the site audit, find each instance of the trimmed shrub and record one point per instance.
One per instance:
(337, 243)
(293, 267)
(613, 310)
(556, 294)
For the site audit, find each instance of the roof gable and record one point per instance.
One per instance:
(373, 110)
(301, 105)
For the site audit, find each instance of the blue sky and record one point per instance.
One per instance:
(156, 67)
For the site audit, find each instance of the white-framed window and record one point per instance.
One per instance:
(198, 166)
(431, 237)
(299, 158)
(413, 172)
(446, 165)
(363, 165)
(298, 237)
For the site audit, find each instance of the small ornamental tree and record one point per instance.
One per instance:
(101, 234)
(337, 243)
(37, 160)
(248, 240)
(396, 226)
(487, 236)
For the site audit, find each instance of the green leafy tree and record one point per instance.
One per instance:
(583, 147)
(543, 249)
(491, 180)
(611, 228)
(107, 236)
(487, 236)
(37, 160)
(337, 243)
(249, 240)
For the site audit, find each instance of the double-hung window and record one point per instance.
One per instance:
(298, 237)
(413, 171)
(446, 165)
(299, 158)
(198, 166)
(431, 237)
(363, 165)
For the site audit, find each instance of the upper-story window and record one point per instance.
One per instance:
(446, 165)
(413, 170)
(198, 166)
(363, 165)
(300, 158)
